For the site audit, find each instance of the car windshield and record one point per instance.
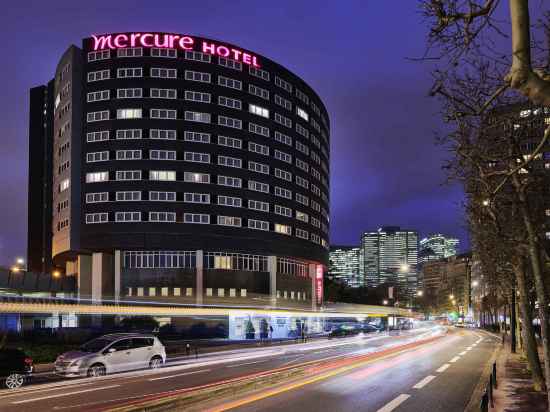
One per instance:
(95, 345)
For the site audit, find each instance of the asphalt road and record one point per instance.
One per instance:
(370, 388)
(439, 376)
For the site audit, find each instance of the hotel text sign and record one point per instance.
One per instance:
(319, 284)
(171, 41)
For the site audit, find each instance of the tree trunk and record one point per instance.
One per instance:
(527, 331)
(513, 338)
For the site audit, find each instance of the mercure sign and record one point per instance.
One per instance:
(172, 41)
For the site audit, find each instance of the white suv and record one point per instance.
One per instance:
(116, 352)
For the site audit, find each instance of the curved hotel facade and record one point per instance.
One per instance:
(179, 168)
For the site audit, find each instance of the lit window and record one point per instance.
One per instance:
(284, 229)
(128, 114)
(257, 110)
(162, 175)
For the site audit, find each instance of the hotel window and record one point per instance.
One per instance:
(230, 142)
(257, 110)
(97, 116)
(258, 167)
(258, 186)
(197, 56)
(197, 76)
(302, 165)
(229, 201)
(316, 109)
(170, 53)
(258, 148)
(162, 134)
(302, 199)
(283, 174)
(303, 234)
(199, 218)
(283, 84)
(315, 190)
(99, 197)
(197, 117)
(283, 211)
(196, 157)
(92, 218)
(203, 198)
(229, 221)
(129, 72)
(98, 96)
(191, 177)
(128, 134)
(258, 224)
(302, 130)
(99, 55)
(315, 238)
(315, 125)
(130, 196)
(281, 192)
(163, 114)
(256, 128)
(128, 154)
(229, 181)
(316, 173)
(302, 148)
(64, 185)
(284, 229)
(285, 121)
(99, 75)
(162, 175)
(162, 154)
(315, 206)
(163, 93)
(302, 113)
(128, 217)
(97, 136)
(287, 104)
(262, 74)
(230, 161)
(258, 91)
(230, 122)
(94, 177)
(197, 96)
(304, 217)
(132, 93)
(97, 156)
(162, 217)
(316, 158)
(197, 137)
(315, 141)
(155, 196)
(130, 52)
(229, 102)
(161, 73)
(282, 156)
(259, 206)
(302, 96)
(231, 64)
(128, 175)
(128, 114)
(231, 83)
(283, 138)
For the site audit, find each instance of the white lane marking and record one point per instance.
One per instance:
(390, 406)
(59, 395)
(246, 363)
(462, 353)
(443, 368)
(424, 382)
(453, 360)
(468, 349)
(178, 374)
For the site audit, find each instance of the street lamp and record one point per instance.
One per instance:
(56, 274)
(475, 283)
(451, 296)
(419, 293)
(15, 269)
(20, 261)
(485, 202)
(404, 267)
(384, 302)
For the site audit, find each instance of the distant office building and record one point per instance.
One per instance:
(437, 246)
(344, 265)
(390, 255)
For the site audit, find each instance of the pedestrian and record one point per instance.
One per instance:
(187, 350)
(196, 352)
(270, 332)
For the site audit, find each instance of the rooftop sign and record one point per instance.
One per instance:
(172, 41)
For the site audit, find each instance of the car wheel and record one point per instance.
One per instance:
(14, 381)
(96, 370)
(155, 363)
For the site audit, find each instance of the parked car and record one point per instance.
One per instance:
(112, 353)
(15, 368)
(368, 328)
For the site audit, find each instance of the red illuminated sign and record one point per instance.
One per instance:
(171, 41)
(319, 283)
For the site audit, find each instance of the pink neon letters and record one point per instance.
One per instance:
(163, 41)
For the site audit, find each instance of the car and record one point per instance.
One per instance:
(15, 368)
(368, 328)
(112, 353)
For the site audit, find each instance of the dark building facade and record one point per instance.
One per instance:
(182, 168)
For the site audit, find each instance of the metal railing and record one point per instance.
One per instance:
(488, 398)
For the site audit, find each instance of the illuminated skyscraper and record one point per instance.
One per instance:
(344, 265)
(437, 246)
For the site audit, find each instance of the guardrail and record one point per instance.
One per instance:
(488, 396)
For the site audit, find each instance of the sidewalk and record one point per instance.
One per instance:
(515, 387)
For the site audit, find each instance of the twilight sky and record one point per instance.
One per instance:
(386, 169)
